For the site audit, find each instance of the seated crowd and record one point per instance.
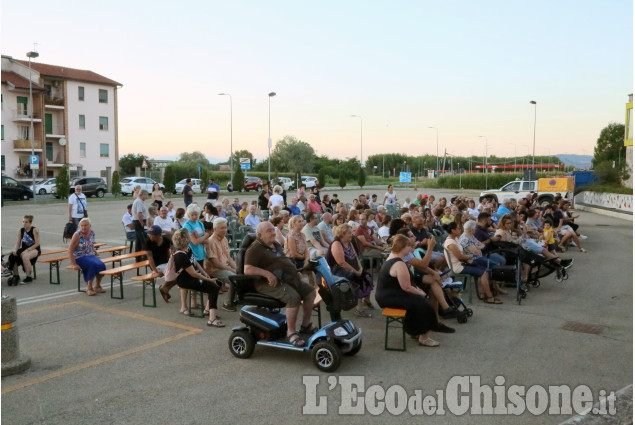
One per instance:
(418, 243)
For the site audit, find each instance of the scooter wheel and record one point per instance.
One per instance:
(242, 344)
(326, 356)
(355, 349)
(469, 312)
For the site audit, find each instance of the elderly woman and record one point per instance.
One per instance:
(82, 254)
(462, 263)
(296, 246)
(218, 261)
(192, 276)
(278, 225)
(198, 239)
(394, 290)
(227, 208)
(472, 247)
(27, 249)
(381, 214)
(343, 258)
(157, 195)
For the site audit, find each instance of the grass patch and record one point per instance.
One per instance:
(605, 188)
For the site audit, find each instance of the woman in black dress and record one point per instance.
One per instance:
(394, 290)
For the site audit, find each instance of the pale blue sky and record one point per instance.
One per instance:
(469, 68)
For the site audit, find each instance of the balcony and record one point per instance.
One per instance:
(22, 145)
(54, 102)
(55, 132)
(20, 115)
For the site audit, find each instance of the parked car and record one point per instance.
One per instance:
(43, 187)
(288, 183)
(309, 181)
(90, 186)
(128, 184)
(178, 188)
(13, 190)
(251, 183)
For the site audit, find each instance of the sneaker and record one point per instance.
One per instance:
(583, 237)
(582, 250)
(567, 263)
(450, 312)
(7, 273)
(229, 307)
(572, 244)
(446, 282)
(362, 313)
(443, 328)
(14, 280)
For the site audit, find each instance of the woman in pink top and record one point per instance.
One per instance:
(314, 205)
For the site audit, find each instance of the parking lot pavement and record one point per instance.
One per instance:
(96, 360)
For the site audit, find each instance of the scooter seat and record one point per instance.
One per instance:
(261, 300)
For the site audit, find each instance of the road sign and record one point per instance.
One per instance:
(145, 164)
(405, 177)
(34, 161)
(199, 168)
(245, 163)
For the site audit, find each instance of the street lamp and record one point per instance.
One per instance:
(231, 137)
(485, 137)
(361, 141)
(509, 143)
(32, 55)
(533, 156)
(437, 171)
(272, 94)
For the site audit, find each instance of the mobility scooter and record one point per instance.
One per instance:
(265, 324)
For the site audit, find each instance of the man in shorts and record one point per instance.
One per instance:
(265, 257)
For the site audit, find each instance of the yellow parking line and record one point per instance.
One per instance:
(49, 307)
(101, 360)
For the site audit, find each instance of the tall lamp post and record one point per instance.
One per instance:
(510, 143)
(437, 170)
(533, 155)
(32, 55)
(361, 140)
(272, 94)
(231, 137)
(485, 137)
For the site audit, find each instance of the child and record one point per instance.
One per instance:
(447, 215)
(548, 235)
(244, 212)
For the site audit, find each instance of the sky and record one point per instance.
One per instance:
(468, 68)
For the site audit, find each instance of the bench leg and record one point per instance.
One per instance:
(79, 287)
(399, 321)
(119, 278)
(54, 265)
(189, 303)
(149, 283)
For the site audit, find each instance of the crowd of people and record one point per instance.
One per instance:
(190, 245)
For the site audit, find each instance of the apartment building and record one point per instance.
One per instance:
(74, 117)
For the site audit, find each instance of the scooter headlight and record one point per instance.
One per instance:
(340, 331)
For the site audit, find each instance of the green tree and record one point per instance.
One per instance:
(292, 155)
(195, 157)
(342, 181)
(204, 179)
(322, 177)
(606, 172)
(62, 185)
(243, 153)
(238, 182)
(169, 179)
(361, 179)
(610, 146)
(127, 163)
(116, 186)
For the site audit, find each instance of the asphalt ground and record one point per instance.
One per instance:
(96, 360)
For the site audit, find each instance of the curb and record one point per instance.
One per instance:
(623, 411)
(604, 211)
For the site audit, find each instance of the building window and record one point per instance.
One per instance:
(104, 150)
(2, 162)
(82, 122)
(23, 132)
(103, 123)
(22, 105)
(103, 96)
(80, 93)
(3, 132)
(82, 150)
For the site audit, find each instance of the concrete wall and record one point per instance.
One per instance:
(607, 200)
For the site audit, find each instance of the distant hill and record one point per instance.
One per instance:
(577, 161)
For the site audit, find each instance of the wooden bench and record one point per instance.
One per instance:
(54, 262)
(148, 280)
(117, 273)
(114, 259)
(395, 315)
(114, 251)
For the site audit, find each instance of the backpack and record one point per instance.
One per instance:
(170, 272)
(69, 230)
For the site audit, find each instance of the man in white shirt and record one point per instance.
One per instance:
(326, 228)
(77, 206)
(252, 218)
(139, 216)
(127, 223)
(164, 222)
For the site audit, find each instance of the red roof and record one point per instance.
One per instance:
(18, 81)
(70, 73)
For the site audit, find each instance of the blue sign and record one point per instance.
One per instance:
(245, 166)
(405, 177)
(199, 168)
(34, 159)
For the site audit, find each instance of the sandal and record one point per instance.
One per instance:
(166, 295)
(100, 290)
(90, 293)
(429, 342)
(206, 312)
(308, 329)
(492, 300)
(185, 312)
(362, 313)
(369, 305)
(215, 323)
(297, 341)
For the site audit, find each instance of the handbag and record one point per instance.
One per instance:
(170, 272)
(69, 230)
